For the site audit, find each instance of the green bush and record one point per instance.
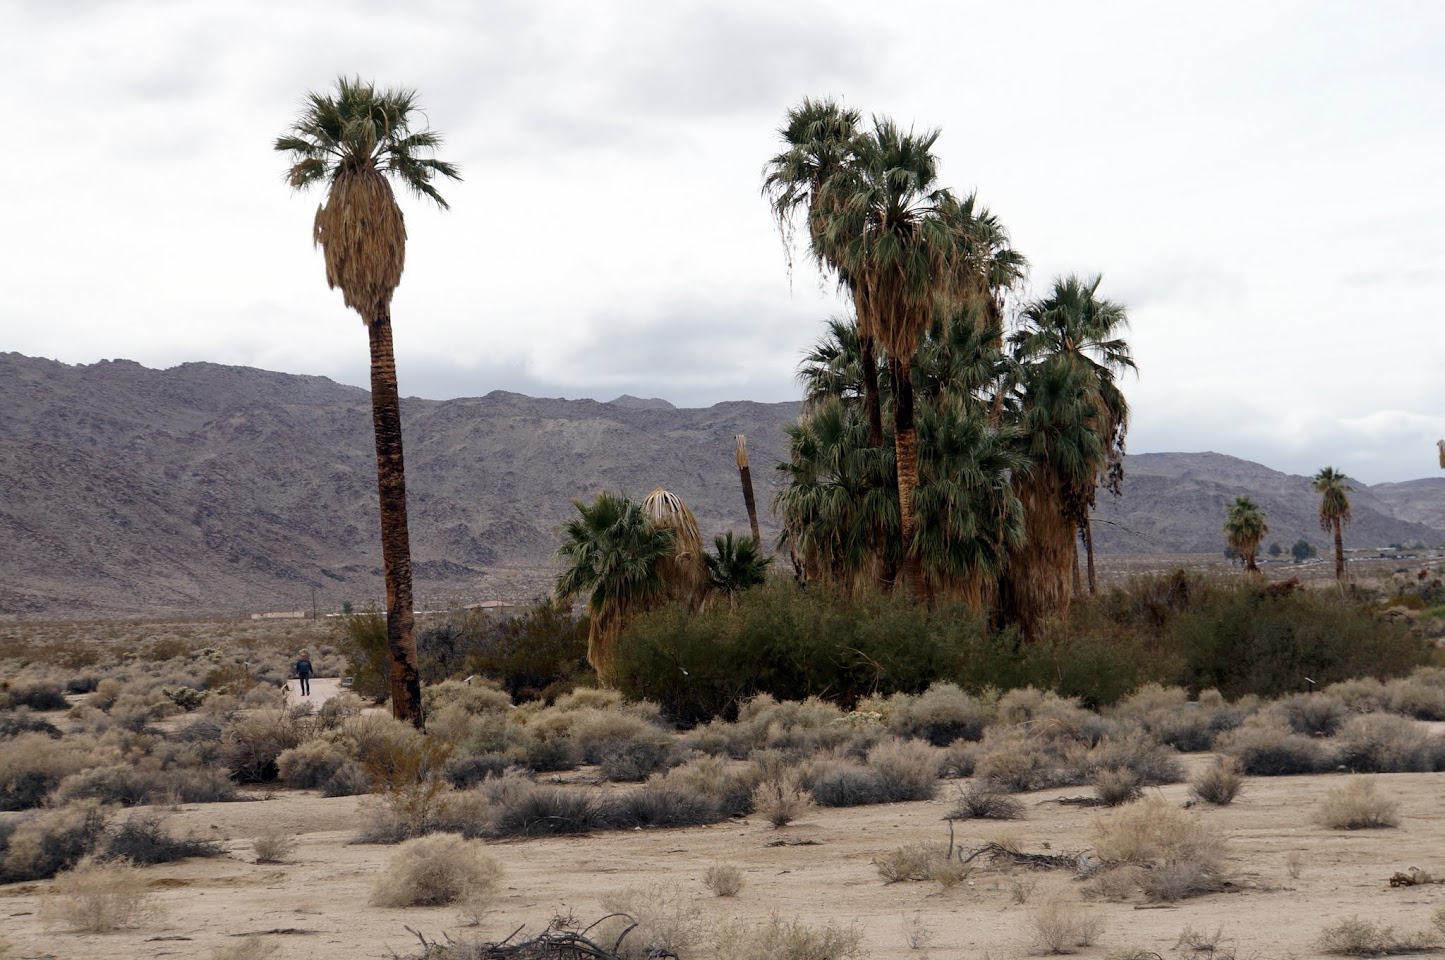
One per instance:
(361, 638)
(539, 654)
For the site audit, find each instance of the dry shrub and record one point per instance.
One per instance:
(921, 861)
(1420, 695)
(247, 948)
(1115, 786)
(1383, 743)
(252, 743)
(662, 803)
(665, 923)
(1116, 883)
(32, 765)
(906, 770)
(1052, 717)
(143, 840)
(1266, 747)
(729, 788)
(782, 800)
(982, 801)
(780, 939)
(521, 808)
(1151, 762)
(35, 694)
(1061, 926)
(273, 846)
(1311, 714)
(1354, 937)
(1357, 805)
(1219, 782)
(45, 843)
(959, 759)
(840, 782)
(1184, 858)
(942, 714)
(723, 879)
(96, 897)
(478, 697)
(435, 870)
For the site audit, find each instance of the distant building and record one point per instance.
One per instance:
(490, 606)
(280, 615)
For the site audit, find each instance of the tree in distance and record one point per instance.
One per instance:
(1244, 528)
(356, 141)
(1334, 490)
(1275, 549)
(1302, 550)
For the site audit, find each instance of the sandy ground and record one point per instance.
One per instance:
(316, 906)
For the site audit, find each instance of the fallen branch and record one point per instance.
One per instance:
(1414, 877)
(1035, 861)
(1075, 802)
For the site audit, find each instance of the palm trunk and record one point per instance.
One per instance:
(1339, 550)
(746, 473)
(395, 541)
(1089, 552)
(905, 445)
(1249, 565)
(871, 400)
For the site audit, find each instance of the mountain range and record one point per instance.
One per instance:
(209, 489)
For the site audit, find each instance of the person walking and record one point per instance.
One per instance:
(303, 673)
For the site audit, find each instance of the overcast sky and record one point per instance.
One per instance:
(1263, 184)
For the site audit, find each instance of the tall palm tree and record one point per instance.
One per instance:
(356, 142)
(1244, 528)
(885, 226)
(684, 572)
(1334, 490)
(820, 141)
(1081, 329)
(614, 555)
(745, 475)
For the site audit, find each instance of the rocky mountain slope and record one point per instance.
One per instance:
(207, 488)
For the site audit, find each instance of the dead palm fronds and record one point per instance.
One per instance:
(684, 572)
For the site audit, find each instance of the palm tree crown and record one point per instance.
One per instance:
(1244, 528)
(1334, 490)
(356, 141)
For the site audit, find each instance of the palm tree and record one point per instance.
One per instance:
(1081, 330)
(614, 555)
(737, 565)
(1244, 529)
(356, 141)
(1334, 489)
(886, 228)
(684, 573)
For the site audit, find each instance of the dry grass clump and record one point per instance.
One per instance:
(273, 846)
(436, 870)
(1218, 783)
(1059, 926)
(1266, 747)
(905, 770)
(1354, 937)
(478, 697)
(723, 879)
(921, 861)
(1357, 805)
(1116, 786)
(981, 801)
(666, 924)
(662, 803)
(782, 800)
(98, 897)
(779, 939)
(247, 948)
(1182, 857)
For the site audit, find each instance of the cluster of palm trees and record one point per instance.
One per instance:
(933, 447)
(1245, 526)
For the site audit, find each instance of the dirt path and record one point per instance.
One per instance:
(322, 689)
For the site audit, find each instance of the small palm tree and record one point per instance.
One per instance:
(356, 142)
(1334, 489)
(1244, 529)
(615, 556)
(736, 565)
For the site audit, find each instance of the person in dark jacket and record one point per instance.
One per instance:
(303, 673)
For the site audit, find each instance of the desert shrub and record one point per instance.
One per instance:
(32, 765)
(920, 861)
(1383, 743)
(466, 772)
(251, 744)
(723, 879)
(905, 769)
(1266, 747)
(15, 722)
(958, 760)
(837, 781)
(942, 714)
(42, 844)
(779, 939)
(1420, 695)
(1357, 805)
(1219, 782)
(1115, 786)
(1182, 856)
(980, 801)
(319, 765)
(729, 789)
(538, 654)
(640, 758)
(143, 840)
(125, 784)
(1016, 761)
(1311, 714)
(477, 697)
(529, 809)
(666, 924)
(1060, 926)
(273, 846)
(98, 897)
(1149, 762)
(1360, 695)
(34, 694)
(781, 800)
(1353, 937)
(662, 803)
(1170, 717)
(361, 638)
(1050, 716)
(435, 870)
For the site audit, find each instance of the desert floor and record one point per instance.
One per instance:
(819, 870)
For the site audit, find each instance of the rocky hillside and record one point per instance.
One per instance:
(207, 488)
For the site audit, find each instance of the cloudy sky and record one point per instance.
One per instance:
(1262, 183)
